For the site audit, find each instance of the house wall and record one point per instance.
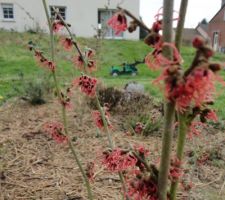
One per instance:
(81, 14)
(217, 24)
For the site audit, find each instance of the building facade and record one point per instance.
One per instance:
(85, 16)
(216, 29)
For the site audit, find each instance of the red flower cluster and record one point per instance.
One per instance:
(200, 85)
(55, 129)
(141, 150)
(118, 22)
(139, 127)
(44, 62)
(143, 189)
(197, 87)
(87, 85)
(156, 60)
(90, 64)
(211, 115)
(67, 43)
(57, 26)
(175, 170)
(98, 118)
(118, 160)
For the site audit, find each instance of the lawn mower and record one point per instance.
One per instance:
(126, 68)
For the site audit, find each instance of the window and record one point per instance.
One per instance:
(62, 11)
(7, 10)
(103, 16)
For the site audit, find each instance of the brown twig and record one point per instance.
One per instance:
(70, 33)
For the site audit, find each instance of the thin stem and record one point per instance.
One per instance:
(183, 126)
(169, 106)
(110, 140)
(166, 151)
(56, 85)
(142, 161)
(139, 22)
(63, 108)
(180, 25)
(105, 124)
(76, 156)
(180, 149)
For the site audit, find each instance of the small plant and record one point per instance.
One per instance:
(32, 91)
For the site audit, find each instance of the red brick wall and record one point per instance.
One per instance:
(217, 24)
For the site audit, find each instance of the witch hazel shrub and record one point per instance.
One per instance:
(191, 90)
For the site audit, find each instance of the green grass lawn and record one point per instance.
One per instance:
(16, 59)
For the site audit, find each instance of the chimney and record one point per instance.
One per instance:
(223, 2)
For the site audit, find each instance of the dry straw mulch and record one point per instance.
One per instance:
(33, 166)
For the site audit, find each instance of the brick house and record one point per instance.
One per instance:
(216, 29)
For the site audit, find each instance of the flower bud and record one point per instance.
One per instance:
(215, 67)
(208, 52)
(157, 26)
(152, 39)
(198, 42)
(132, 26)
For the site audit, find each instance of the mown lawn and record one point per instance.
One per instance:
(17, 60)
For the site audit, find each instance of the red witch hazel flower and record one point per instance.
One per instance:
(118, 22)
(143, 189)
(50, 65)
(200, 85)
(87, 85)
(156, 60)
(197, 87)
(98, 118)
(44, 62)
(142, 153)
(118, 160)
(57, 26)
(55, 129)
(211, 115)
(139, 127)
(67, 43)
(175, 170)
(88, 58)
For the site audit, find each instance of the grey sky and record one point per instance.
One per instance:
(197, 10)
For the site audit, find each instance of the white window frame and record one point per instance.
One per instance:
(65, 17)
(8, 6)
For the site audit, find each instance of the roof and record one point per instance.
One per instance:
(203, 26)
(217, 12)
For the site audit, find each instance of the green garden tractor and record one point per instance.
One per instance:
(125, 69)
